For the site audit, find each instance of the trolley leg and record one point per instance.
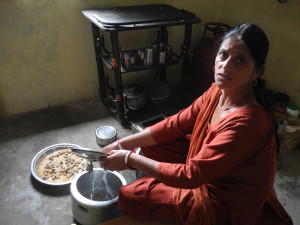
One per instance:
(164, 39)
(117, 73)
(186, 52)
(101, 77)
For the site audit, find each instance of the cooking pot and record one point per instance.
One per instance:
(157, 90)
(134, 97)
(94, 196)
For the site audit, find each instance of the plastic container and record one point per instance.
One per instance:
(292, 112)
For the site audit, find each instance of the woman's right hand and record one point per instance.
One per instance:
(115, 161)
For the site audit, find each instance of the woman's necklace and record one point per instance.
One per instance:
(224, 109)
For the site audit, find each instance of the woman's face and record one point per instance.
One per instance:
(234, 66)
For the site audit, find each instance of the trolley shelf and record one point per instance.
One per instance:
(139, 66)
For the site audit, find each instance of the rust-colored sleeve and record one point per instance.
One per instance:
(225, 150)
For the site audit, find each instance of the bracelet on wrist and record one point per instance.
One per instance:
(119, 144)
(126, 158)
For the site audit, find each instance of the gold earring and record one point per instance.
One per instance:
(254, 83)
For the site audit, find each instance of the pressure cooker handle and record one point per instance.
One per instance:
(83, 209)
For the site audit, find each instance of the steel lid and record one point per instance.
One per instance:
(106, 132)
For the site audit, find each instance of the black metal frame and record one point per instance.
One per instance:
(116, 62)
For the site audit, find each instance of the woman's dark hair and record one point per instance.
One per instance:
(255, 39)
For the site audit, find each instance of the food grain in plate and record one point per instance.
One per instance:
(61, 166)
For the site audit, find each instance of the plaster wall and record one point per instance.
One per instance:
(47, 54)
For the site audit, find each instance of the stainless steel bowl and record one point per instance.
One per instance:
(43, 154)
(106, 135)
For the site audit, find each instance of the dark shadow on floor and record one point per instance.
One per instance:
(50, 190)
(60, 116)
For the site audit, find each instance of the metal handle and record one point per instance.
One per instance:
(83, 209)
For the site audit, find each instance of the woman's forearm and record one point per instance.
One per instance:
(147, 165)
(140, 139)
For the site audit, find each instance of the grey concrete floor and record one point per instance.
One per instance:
(23, 200)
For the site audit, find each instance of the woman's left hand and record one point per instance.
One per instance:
(115, 161)
(110, 147)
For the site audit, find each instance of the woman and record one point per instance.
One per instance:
(214, 162)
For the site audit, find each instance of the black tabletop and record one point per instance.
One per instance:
(134, 17)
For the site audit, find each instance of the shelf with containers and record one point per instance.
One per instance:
(130, 18)
(132, 61)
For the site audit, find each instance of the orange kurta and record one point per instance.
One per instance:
(228, 175)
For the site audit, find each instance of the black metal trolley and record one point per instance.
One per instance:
(116, 19)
